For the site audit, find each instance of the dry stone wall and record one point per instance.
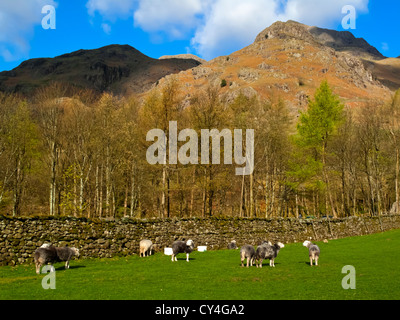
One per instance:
(19, 237)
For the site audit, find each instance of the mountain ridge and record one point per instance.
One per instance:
(287, 58)
(287, 61)
(120, 69)
(343, 41)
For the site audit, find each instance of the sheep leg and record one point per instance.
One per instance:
(311, 261)
(316, 261)
(187, 257)
(38, 265)
(172, 259)
(272, 263)
(67, 264)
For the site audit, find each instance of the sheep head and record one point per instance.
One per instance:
(306, 243)
(76, 252)
(280, 245)
(190, 244)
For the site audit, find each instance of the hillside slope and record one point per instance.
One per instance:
(120, 69)
(287, 61)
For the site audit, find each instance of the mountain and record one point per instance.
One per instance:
(386, 70)
(287, 59)
(290, 60)
(120, 69)
(342, 41)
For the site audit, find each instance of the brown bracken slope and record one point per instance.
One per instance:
(289, 61)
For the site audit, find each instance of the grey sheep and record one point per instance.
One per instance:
(182, 247)
(232, 245)
(146, 248)
(313, 252)
(268, 251)
(50, 254)
(247, 252)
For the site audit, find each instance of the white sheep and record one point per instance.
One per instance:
(313, 252)
(146, 248)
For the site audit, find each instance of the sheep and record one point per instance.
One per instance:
(182, 247)
(146, 248)
(313, 251)
(268, 251)
(232, 245)
(247, 252)
(51, 254)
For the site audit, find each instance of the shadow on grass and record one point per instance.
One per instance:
(61, 268)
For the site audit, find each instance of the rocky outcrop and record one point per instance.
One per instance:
(342, 41)
(184, 56)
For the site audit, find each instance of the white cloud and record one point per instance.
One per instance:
(111, 9)
(17, 21)
(233, 24)
(218, 27)
(321, 13)
(176, 18)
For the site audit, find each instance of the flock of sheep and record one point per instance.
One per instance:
(48, 254)
(267, 250)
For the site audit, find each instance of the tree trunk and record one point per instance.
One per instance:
(397, 182)
(241, 199)
(251, 196)
(192, 192)
(132, 190)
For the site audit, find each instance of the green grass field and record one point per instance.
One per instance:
(217, 275)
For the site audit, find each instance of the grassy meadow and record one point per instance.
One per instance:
(217, 275)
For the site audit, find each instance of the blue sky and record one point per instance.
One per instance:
(207, 28)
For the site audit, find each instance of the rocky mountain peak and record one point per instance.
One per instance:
(283, 30)
(343, 41)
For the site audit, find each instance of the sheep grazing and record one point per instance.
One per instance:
(182, 247)
(232, 245)
(247, 252)
(268, 251)
(146, 248)
(313, 251)
(49, 254)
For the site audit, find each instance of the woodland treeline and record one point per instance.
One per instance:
(68, 152)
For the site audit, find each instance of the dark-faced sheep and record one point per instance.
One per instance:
(146, 248)
(232, 245)
(182, 247)
(268, 251)
(50, 254)
(313, 252)
(247, 252)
